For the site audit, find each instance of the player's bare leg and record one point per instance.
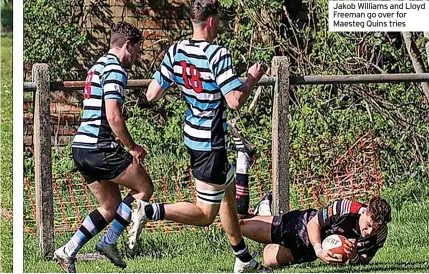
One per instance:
(209, 199)
(230, 223)
(202, 213)
(108, 197)
(257, 228)
(276, 255)
(130, 211)
(229, 216)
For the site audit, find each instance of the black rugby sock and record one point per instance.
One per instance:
(242, 193)
(155, 211)
(241, 251)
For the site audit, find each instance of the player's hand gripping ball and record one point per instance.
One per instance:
(336, 244)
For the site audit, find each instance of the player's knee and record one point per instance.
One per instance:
(245, 228)
(148, 189)
(270, 256)
(270, 260)
(148, 181)
(145, 189)
(207, 219)
(208, 201)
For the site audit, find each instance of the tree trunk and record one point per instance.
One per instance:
(415, 56)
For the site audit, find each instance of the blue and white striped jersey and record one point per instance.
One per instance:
(106, 80)
(204, 73)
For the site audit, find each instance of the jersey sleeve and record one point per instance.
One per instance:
(329, 215)
(165, 74)
(368, 247)
(114, 82)
(223, 70)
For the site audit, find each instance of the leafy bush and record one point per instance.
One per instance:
(160, 129)
(52, 34)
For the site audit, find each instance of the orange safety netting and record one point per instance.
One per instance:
(355, 175)
(73, 201)
(319, 177)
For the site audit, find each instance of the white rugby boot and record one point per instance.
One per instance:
(138, 222)
(250, 267)
(67, 263)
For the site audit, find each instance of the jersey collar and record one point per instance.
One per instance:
(116, 57)
(195, 41)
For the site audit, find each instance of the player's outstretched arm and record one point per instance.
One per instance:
(163, 77)
(236, 98)
(315, 236)
(154, 91)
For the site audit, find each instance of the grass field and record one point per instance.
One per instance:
(406, 250)
(6, 154)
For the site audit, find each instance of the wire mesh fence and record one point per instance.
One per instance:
(317, 178)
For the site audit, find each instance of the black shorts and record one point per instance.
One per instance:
(101, 163)
(288, 230)
(210, 166)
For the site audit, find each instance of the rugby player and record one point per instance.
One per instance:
(204, 73)
(296, 237)
(100, 158)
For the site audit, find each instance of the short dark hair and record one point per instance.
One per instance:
(379, 210)
(123, 31)
(200, 10)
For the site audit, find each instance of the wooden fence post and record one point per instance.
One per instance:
(280, 135)
(43, 161)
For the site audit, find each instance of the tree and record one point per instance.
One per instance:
(416, 58)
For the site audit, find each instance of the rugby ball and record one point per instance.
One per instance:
(336, 243)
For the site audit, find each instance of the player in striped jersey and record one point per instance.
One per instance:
(205, 75)
(296, 236)
(101, 159)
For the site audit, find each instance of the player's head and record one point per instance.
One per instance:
(127, 39)
(377, 215)
(205, 15)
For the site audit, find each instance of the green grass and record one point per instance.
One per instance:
(6, 154)
(406, 250)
